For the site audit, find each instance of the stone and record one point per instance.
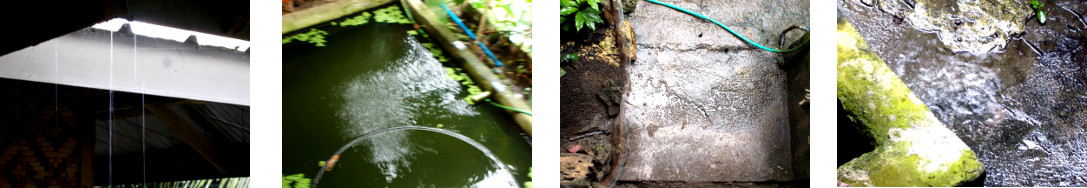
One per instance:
(574, 168)
(913, 148)
(970, 26)
(702, 105)
(575, 165)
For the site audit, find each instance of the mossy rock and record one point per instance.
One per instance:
(913, 148)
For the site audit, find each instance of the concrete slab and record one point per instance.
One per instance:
(703, 106)
(107, 60)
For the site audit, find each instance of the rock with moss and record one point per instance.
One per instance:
(970, 26)
(913, 148)
(629, 5)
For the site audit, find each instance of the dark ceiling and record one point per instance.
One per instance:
(45, 20)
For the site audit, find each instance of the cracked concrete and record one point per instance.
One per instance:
(702, 105)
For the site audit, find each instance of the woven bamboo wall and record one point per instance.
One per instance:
(46, 135)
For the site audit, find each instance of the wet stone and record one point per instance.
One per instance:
(912, 147)
(1021, 110)
(709, 108)
(970, 26)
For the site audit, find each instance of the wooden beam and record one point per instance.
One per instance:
(187, 133)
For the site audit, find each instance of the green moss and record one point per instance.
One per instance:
(869, 89)
(892, 166)
(912, 147)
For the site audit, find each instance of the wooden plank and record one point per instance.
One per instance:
(480, 73)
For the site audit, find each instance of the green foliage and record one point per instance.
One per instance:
(569, 57)
(512, 18)
(357, 20)
(465, 80)
(392, 14)
(315, 36)
(297, 180)
(437, 53)
(473, 90)
(584, 13)
(1037, 8)
(1041, 16)
(528, 184)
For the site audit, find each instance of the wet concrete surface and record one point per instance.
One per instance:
(1023, 109)
(702, 105)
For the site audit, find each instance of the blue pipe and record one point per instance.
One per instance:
(488, 51)
(457, 19)
(473, 35)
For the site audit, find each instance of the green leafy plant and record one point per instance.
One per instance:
(582, 13)
(296, 181)
(1037, 5)
(315, 36)
(392, 14)
(357, 20)
(465, 80)
(567, 58)
(437, 53)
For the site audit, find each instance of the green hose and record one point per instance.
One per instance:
(726, 28)
(507, 108)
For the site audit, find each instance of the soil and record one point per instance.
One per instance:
(290, 6)
(592, 91)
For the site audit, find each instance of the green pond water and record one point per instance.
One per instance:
(376, 76)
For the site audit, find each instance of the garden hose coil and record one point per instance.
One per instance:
(336, 156)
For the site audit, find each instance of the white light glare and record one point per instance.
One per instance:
(163, 32)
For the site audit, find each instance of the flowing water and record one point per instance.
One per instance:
(1020, 103)
(376, 76)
